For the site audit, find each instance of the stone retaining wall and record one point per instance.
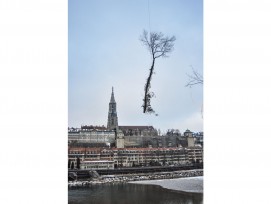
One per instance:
(136, 177)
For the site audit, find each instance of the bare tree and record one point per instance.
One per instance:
(158, 46)
(194, 79)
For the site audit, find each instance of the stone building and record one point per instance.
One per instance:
(131, 157)
(91, 135)
(97, 164)
(112, 121)
(119, 139)
(195, 154)
(138, 130)
(127, 136)
(100, 147)
(190, 139)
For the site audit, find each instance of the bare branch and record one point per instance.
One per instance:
(194, 79)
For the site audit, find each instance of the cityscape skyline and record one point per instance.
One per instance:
(105, 52)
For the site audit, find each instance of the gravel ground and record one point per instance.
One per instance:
(190, 184)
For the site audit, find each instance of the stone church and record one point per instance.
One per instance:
(121, 136)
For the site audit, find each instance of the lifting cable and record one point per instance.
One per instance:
(149, 16)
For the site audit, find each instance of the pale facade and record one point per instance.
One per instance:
(129, 157)
(195, 154)
(119, 139)
(92, 136)
(97, 165)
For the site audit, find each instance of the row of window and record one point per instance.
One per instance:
(134, 152)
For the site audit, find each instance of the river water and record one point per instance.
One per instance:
(126, 193)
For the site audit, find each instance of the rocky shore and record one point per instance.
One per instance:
(135, 177)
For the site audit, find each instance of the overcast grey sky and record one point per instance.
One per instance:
(105, 51)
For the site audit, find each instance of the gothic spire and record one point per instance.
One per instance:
(112, 121)
(112, 100)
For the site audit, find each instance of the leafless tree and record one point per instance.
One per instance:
(158, 46)
(194, 79)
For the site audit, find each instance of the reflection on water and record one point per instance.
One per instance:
(130, 193)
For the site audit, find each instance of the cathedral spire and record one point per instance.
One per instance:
(112, 121)
(112, 100)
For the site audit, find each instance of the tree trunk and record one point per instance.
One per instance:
(148, 86)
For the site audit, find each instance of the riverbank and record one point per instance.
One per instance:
(189, 185)
(138, 177)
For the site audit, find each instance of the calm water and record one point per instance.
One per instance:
(130, 193)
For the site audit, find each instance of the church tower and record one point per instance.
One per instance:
(112, 121)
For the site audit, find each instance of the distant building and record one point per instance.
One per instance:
(112, 121)
(100, 147)
(188, 133)
(97, 164)
(128, 136)
(91, 135)
(195, 154)
(119, 139)
(190, 139)
(138, 130)
(130, 157)
(198, 138)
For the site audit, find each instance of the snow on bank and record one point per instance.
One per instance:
(189, 184)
